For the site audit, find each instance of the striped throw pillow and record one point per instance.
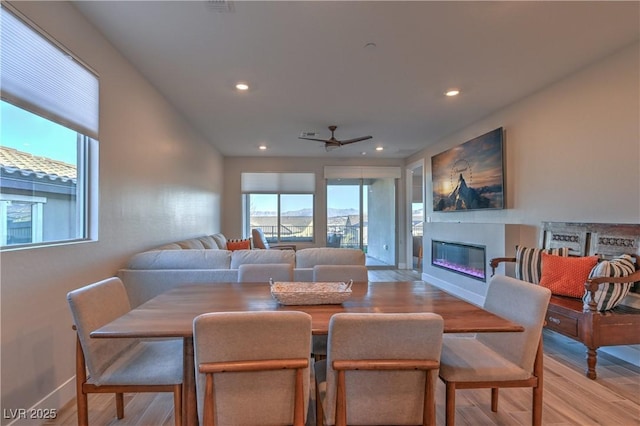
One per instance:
(609, 295)
(529, 262)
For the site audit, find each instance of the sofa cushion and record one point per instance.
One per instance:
(609, 295)
(310, 257)
(220, 240)
(242, 257)
(208, 242)
(181, 259)
(192, 243)
(565, 276)
(529, 262)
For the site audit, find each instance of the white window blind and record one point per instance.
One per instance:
(361, 172)
(283, 183)
(42, 78)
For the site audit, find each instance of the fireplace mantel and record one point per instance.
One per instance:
(498, 239)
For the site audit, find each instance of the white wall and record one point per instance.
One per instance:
(572, 150)
(159, 181)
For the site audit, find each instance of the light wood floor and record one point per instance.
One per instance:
(569, 397)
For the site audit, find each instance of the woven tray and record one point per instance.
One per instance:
(306, 293)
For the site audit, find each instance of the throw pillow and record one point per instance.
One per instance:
(233, 244)
(529, 262)
(609, 295)
(565, 276)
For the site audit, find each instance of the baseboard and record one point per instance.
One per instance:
(460, 292)
(50, 406)
(630, 353)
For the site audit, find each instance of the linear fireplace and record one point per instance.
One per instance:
(465, 259)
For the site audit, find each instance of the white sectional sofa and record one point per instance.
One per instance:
(201, 260)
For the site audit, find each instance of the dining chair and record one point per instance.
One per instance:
(252, 367)
(495, 360)
(260, 241)
(119, 365)
(380, 369)
(256, 273)
(342, 273)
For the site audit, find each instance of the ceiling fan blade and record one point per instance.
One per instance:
(313, 139)
(364, 138)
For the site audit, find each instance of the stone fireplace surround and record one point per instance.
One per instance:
(499, 240)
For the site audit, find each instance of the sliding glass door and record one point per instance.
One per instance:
(361, 214)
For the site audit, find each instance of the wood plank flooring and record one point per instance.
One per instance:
(570, 398)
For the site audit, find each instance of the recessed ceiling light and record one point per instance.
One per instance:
(452, 92)
(262, 147)
(363, 153)
(242, 86)
(379, 148)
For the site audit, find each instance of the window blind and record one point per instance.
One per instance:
(42, 78)
(283, 183)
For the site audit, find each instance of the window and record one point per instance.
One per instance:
(48, 139)
(282, 204)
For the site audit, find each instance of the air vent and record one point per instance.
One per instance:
(309, 135)
(221, 6)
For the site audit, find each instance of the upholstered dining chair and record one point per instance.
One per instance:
(119, 365)
(260, 241)
(495, 360)
(253, 273)
(380, 369)
(252, 367)
(342, 273)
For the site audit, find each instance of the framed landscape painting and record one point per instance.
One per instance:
(470, 176)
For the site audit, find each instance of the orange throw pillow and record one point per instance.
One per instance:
(239, 244)
(565, 276)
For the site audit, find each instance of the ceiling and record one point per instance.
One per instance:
(310, 65)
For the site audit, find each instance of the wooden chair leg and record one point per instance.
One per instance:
(81, 378)
(494, 400)
(429, 404)
(177, 404)
(120, 405)
(450, 404)
(341, 400)
(209, 402)
(538, 370)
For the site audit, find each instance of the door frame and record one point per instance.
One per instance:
(409, 211)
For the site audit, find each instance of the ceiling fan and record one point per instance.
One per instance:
(333, 143)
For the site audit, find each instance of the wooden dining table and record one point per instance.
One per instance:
(171, 314)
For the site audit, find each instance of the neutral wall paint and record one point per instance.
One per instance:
(572, 150)
(159, 181)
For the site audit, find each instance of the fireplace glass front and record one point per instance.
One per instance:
(465, 259)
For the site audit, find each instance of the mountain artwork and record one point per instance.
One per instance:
(470, 176)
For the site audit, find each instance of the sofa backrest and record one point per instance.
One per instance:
(243, 257)
(181, 259)
(310, 257)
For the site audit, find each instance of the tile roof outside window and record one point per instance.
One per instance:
(11, 158)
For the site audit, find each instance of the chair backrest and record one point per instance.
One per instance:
(92, 307)
(259, 240)
(252, 398)
(255, 273)
(342, 273)
(520, 302)
(382, 397)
